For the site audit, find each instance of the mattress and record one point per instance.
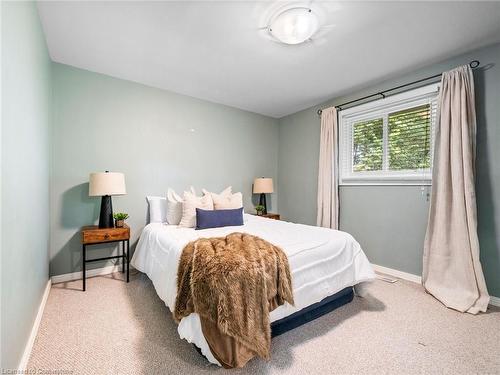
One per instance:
(322, 262)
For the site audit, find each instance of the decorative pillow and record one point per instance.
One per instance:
(228, 201)
(157, 209)
(218, 218)
(226, 191)
(174, 207)
(191, 203)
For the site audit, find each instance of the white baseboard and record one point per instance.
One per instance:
(23, 364)
(89, 273)
(399, 274)
(494, 301)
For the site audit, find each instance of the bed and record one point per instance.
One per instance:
(323, 263)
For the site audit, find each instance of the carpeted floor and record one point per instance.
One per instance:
(119, 328)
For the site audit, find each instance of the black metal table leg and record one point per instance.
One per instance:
(123, 254)
(84, 261)
(128, 260)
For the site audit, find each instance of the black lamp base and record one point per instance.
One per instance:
(106, 215)
(262, 202)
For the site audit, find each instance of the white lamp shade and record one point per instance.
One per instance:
(263, 185)
(106, 183)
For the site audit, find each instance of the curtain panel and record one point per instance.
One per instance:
(452, 270)
(328, 197)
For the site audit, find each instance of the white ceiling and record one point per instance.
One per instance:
(217, 50)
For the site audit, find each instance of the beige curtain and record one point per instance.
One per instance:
(328, 199)
(452, 271)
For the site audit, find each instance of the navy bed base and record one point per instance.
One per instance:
(312, 312)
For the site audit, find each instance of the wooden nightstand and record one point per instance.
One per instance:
(270, 216)
(93, 235)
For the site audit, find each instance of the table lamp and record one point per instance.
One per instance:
(106, 184)
(263, 186)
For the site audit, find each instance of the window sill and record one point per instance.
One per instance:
(386, 183)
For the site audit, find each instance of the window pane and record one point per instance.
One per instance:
(410, 139)
(367, 145)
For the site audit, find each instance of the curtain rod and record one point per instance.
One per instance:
(473, 64)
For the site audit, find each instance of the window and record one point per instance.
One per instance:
(389, 141)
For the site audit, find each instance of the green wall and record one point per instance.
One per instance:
(26, 96)
(102, 123)
(390, 222)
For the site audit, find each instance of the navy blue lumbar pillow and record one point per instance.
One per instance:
(218, 218)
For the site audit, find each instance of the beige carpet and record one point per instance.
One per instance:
(119, 328)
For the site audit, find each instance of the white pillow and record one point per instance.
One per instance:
(157, 209)
(174, 207)
(191, 203)
(228, 201)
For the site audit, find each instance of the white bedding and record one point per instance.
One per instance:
(322, 262)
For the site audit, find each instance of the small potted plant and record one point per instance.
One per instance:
(260, 209)
(120, 218)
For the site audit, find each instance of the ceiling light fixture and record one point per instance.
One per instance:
(294, 25)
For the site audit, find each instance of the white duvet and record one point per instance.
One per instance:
(322, 262)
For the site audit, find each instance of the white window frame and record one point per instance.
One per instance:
(380, 109)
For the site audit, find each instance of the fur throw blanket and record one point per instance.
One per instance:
(232, 282)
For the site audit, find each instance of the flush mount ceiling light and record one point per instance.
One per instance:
(294, 25)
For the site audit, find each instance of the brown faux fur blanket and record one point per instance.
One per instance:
(233, 282)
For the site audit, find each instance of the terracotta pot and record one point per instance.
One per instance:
(119, 223)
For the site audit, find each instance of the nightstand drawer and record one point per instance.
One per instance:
(93, 235)
(270, 215)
